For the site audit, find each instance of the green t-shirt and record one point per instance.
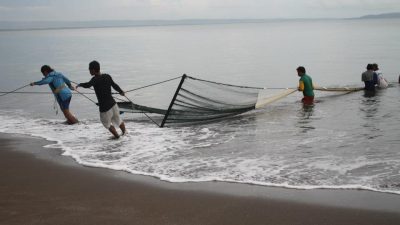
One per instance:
(306, 82)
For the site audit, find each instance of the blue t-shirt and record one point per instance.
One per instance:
(56, 80)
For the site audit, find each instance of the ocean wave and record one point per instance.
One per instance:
(211, 153)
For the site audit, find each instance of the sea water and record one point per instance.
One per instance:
(345, 141)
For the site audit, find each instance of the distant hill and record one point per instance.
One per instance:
(382, 16)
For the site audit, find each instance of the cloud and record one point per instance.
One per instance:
(23, 3)
(5, 8)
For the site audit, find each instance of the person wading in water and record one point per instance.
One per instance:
(109, 111)
(61, 88)
(306, 86)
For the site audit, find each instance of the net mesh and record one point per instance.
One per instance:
(197, 100)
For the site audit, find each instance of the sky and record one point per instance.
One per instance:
(88, 10)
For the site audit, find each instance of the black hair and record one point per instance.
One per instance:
(301, 69)
(46, 68)
(370, 67)
(94, 65)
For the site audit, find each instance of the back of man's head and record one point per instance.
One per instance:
(375, 67)
(46, 69)
(301, 69)
(94, 65)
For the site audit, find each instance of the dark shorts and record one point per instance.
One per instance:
(63, 104)
(308, 100)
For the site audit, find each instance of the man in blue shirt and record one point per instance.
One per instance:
(60, 86)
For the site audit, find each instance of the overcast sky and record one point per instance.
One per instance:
(33, 10)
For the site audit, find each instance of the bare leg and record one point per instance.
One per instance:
(113, 131)
(71, 119)
(123, 129)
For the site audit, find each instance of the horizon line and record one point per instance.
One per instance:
(86, 24)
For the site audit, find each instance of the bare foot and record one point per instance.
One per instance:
(114, 138)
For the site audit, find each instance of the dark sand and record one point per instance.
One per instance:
(38, 186)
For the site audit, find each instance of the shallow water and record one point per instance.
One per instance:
(344, 141)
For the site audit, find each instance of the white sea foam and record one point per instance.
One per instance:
(210, 153)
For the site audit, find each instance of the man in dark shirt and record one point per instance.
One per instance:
(109, 111)
(369, 78)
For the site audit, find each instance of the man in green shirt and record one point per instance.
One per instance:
(306, 86)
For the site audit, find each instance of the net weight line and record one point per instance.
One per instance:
(132, 104)
(38, 92)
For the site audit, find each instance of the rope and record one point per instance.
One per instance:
(86, 96)
(6, 93)
(39, 92)
(90, 89)
(230, 85)
(55, 105)
(142, 112)
(135, 89)
(153, 84)
(119, 100)
(277, 88)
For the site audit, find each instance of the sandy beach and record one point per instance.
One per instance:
(39, 186)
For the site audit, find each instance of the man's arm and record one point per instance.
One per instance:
(116, 87)
(67, 82)
(86, 85)
(46, 80)
(375, 78)
(301, 86)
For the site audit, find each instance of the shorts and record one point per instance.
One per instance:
(308, 100)
(111, 117)
(64, 104)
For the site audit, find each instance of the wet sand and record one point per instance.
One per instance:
(39, 186)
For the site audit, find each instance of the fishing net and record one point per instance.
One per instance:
(185, 99)
(194, 101)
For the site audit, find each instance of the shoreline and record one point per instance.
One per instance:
(39, 184)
